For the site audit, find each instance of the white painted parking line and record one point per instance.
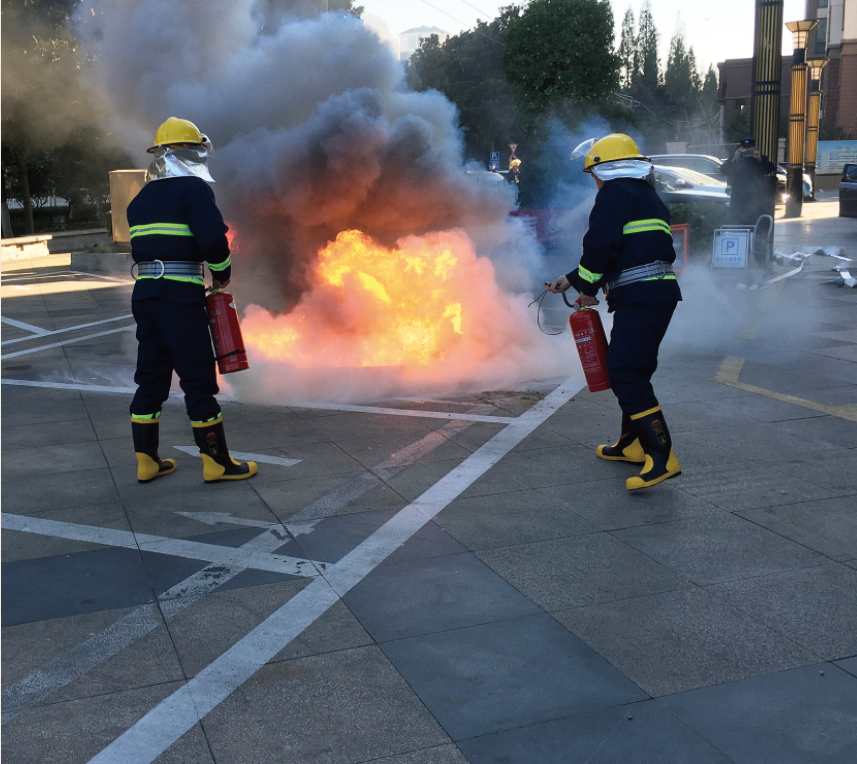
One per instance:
(404, 412)
(77, 386)
(129, 280)
(173, 717)
(36, 331)
(67, 342)
(44, 333)
(194, 550)
(281, 460)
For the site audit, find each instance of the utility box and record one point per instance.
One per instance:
(124, 186)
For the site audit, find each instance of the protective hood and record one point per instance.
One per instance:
(638, 169)
(182, 163)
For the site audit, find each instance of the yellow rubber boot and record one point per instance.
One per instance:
(149, 464)
(661, 463)
(627, 448)
(217, 464)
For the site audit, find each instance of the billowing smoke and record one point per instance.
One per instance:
(316, 133)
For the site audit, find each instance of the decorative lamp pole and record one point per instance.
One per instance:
(797, 116)
(816, 66)
(767, 70)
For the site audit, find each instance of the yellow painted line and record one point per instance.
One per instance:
(730, 370)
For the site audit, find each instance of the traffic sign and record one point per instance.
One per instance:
(513, 146)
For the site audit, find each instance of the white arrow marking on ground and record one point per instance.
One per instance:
(213, 518)
(282, 461)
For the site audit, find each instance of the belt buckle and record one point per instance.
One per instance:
(137, 265)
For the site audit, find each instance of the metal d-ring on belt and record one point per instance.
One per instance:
(159, 269)
(656, 270)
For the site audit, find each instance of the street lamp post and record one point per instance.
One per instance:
(816, 66)
(797, 116)
(767, 68)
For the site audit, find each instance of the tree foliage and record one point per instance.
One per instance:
(559, 50)
(627, 51)
(466, 68)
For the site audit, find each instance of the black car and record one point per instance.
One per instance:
(848, 192)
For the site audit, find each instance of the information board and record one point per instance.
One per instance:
(731, 249)
(834, 155)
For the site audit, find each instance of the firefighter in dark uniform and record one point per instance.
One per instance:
(628, 252)
(176, 229)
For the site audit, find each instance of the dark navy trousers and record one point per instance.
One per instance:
(632, 355)
(173, 336)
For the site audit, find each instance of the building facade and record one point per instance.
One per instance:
(409, 40)
(835, 38)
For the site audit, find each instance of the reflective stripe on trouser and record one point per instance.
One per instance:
(174, 336)
(632, 355)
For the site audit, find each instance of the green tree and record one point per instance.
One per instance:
(559, 50)
(627, 51)
(647, 64)
(467, 70)
(680, 78)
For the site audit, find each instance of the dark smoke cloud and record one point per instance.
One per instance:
(314, 128)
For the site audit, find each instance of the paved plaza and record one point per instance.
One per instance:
(439, 580)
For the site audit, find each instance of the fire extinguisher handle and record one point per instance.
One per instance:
(576, 306)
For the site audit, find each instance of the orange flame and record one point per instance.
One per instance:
(384, 307)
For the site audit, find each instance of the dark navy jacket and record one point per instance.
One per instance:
(178, 219)
(628, 226)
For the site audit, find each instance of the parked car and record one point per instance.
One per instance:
(848, 192)
(702, 163)
(676, 185)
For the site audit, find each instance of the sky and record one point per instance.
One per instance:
(718, 31)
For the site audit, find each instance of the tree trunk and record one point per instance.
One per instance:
(26, 199)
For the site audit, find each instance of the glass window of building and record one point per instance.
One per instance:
(822, 3)
(821, 37)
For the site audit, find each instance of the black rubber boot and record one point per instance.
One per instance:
(149, 464)
(661, 463)
(217, 463)
(627, 448)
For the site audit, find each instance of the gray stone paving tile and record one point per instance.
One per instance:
(849, 665)
(415, 480)
(761, 441)
(75, 731)
(496, 480)
(637, 733)
(369, 451)
(540, 468)
(27, 462)
(815, 607)
(71, 584)
(19, 545)
(403, 430)
(342, 707)
(828, 429)
(476, 435)
(502, 675)
(790, 717)
(205, 631)
(607, 505)
(444, 754)
(39, 406)
(828, 526)
(580, 570)
(718, 548)
(434, 594)
(285, 498)
(247, 433)
(429, 541)
(505, 519)
(57, 433)
(681, 640)
(336, 630)
(24, 495)
(748, 485)
(793, 383)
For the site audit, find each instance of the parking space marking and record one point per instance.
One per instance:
(730, 370)
(173, 717)
(246, 456)
(46, 333)
(35, 330)
(193, 550)
(73, 386)
(68, 342)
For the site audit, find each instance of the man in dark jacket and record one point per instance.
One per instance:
(753, 187)
(176, 229)
(628, 252)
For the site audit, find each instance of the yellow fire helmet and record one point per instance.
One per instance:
(608, 149)
(515, 163)
(177, 132)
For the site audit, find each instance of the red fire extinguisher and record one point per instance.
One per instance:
(591, 346)
(226, 332)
